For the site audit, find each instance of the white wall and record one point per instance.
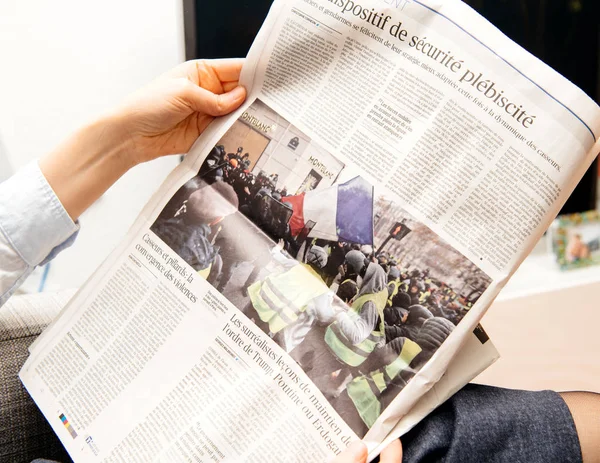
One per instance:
(61, 63)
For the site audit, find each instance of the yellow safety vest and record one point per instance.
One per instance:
(396, 284)
(341, 346)
(205, 272)
(365, 391)
(281, 298)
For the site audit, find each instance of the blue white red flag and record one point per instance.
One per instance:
(342, 212)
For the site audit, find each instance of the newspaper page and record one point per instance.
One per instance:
(311, 269)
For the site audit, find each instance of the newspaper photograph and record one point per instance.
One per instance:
(309, 273)
(357, 291)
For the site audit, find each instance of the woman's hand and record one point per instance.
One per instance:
(169, 114)
(357, 453)
(163, 118)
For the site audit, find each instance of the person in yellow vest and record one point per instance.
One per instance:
(424, 295)
(353, 335)
(304, 352)
(393, 285)
(356, 333)
(389, 370)
(360, 403)
(281, 298)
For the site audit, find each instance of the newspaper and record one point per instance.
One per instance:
(390, 154)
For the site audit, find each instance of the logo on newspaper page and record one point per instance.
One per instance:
(92, 445)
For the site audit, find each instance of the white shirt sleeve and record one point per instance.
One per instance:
(34, 227)
(286, 262)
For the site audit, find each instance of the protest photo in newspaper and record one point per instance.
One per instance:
(355, 289)
(311, 270)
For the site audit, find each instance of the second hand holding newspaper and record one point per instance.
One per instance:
(318, 261)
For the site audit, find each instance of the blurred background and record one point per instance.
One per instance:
(63, 63)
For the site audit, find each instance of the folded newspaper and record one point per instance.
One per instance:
(315, 270)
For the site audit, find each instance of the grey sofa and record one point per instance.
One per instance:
(24, 432)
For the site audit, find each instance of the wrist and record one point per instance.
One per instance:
(85, 165)
(112, 142)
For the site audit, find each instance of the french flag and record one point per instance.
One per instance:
(342, 212)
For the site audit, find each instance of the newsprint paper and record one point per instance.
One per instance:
(310, 273)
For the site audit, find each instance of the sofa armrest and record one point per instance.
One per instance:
(24, 432)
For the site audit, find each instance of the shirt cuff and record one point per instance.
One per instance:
(32, 217)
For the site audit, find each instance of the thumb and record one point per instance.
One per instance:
(354, 453)
(392, 453)
(206, 102)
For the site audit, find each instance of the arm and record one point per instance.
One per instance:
(322, 308)
(34, 227)
(164, 118)
(356, 329)
(281, 258)
(40, 204)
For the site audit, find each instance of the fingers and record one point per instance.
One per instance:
(206, 102)
(392, 453)
(355, 453)
(228, 70)
(208, 71)
(227, 86)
